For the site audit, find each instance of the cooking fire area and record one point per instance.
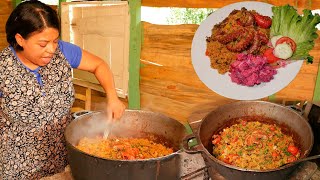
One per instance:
(198, 166)
(193, 168)
(188, 165)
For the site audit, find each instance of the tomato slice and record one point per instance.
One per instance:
(216, 140)
(289, 41)
(275, 154)
(207, 52)
(244, 123)
(293, 150)
(272, 128)
(271, 58)
(262, 21)
(235, 139)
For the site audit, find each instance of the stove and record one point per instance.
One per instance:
(193, 167)
(313, 114)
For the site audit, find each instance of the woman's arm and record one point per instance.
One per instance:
(101, 70)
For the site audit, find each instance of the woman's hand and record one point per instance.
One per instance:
(101, 70)
(115, 108)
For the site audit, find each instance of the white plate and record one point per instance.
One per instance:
(222, 84)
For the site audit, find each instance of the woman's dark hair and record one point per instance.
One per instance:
(29, 17)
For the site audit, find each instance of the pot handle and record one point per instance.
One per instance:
(190, 144)
(81, 113)
(296, 109)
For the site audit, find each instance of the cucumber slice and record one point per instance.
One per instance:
(283, 51)
(274, 39)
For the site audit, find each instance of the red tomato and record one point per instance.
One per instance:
(216, 140)
(287, 40)
(232, 157)
(272, 128)
(126, 155)
(119, 146)
(293, 150)
(275, 154)
(262, 21)
(235, 139)
(244, 123)
(291, 159)
(271, 58)
(226, 160)
(207, 53)
(133, 151)
(250, 140)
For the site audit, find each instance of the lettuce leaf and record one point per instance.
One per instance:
(301, 28)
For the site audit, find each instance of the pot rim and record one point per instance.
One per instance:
(208, 154)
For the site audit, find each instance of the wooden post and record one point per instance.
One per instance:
(16, 2)
(316, 92)
(88, 99)
(134, 54)
(59, 5)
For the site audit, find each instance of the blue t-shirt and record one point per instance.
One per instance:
(72, 52)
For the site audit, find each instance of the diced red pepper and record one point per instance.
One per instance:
(216, 139)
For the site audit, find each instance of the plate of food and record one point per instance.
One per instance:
(251, 50)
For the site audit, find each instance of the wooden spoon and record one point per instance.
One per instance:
(110, 122)
(107, 131)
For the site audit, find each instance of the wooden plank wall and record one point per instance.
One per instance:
(169, 83)
(5, 10)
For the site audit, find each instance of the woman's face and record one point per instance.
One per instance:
(39, 48)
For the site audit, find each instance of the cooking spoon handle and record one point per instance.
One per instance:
(305, 159)
(309, 158)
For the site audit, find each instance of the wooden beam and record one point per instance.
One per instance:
(88, 99)
(87, 84)
(208, 4)
(59, 5)
(134, 54)
(311, 4)
(6, 8)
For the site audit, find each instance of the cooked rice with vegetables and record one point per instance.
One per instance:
(254, 145)
(123, 148)
(238, 33)
(220, 56)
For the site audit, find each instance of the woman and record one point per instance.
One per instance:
(36, 92)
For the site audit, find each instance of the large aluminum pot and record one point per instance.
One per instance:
(134, 123)
(220, 117)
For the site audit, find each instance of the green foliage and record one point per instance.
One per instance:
(188, 15)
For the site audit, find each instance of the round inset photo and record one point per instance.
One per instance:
(229, 53)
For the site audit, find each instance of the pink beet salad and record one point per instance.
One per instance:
(249, 70)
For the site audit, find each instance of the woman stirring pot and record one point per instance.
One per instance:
(36, 92)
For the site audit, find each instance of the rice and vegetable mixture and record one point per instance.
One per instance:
(220, 56)
(237, 33)
(254, 145)
(123, 148)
